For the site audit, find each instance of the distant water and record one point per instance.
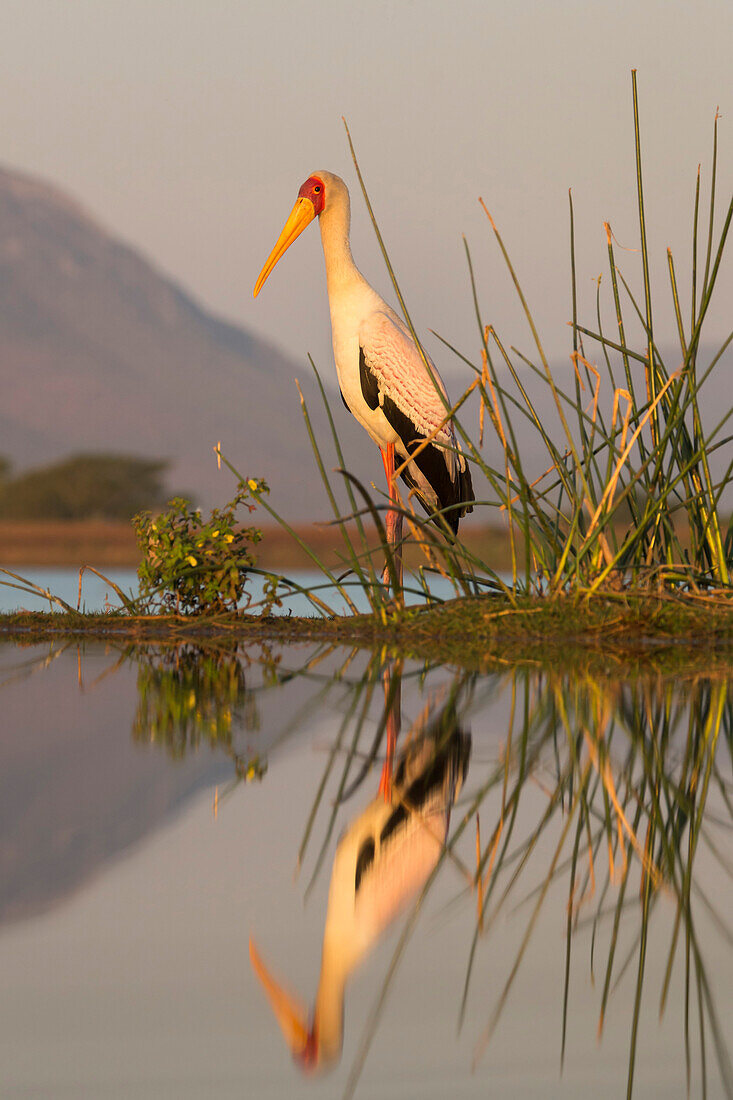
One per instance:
(97, 595)
(64, 583)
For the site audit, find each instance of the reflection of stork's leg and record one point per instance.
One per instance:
(394, 720)
(393, 520)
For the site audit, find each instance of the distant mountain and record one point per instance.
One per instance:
(101, 352)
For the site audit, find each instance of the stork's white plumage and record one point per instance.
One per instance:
(383, 378)
(381, 862)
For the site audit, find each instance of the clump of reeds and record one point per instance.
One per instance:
(628, 497)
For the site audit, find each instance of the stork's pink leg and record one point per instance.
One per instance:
(394, 720)
(393, 520)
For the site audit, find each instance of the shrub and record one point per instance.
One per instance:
(194, 565)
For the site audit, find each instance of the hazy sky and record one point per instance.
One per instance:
(187, 127)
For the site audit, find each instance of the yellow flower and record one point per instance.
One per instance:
(214, 534)
(229, 538)
(191, 560)
(253, 485)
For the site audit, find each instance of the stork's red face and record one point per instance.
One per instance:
(307, 1059)
(291, 1015)
(315, 190)
(309, 204)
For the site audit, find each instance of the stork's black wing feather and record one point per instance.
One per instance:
(369, 383)
(431, 460)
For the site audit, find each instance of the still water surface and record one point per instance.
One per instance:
(98, 595)
(160, 806)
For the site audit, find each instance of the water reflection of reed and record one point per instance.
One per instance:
(633, 781)
(628, 771)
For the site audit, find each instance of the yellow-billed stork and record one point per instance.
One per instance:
(383, 859)
(383, 379)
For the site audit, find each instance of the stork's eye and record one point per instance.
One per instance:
(317, 189)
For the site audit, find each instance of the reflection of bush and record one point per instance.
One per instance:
(189, 695)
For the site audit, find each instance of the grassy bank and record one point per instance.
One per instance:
(622, 634)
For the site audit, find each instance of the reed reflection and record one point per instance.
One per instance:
(635, 776)
(386, 855)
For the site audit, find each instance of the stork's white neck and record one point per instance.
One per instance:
(329, 1009)
(335, 222)
(347, 935)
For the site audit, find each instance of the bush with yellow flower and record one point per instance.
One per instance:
(192, 565)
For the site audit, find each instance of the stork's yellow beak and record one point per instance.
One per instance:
(290, 1013)
(301, 215)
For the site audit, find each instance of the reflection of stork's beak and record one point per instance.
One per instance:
(301, 215)
(290, 1013)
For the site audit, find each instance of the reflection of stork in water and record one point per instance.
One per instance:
(382, 860)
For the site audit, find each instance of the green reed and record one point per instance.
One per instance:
(649, 456)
